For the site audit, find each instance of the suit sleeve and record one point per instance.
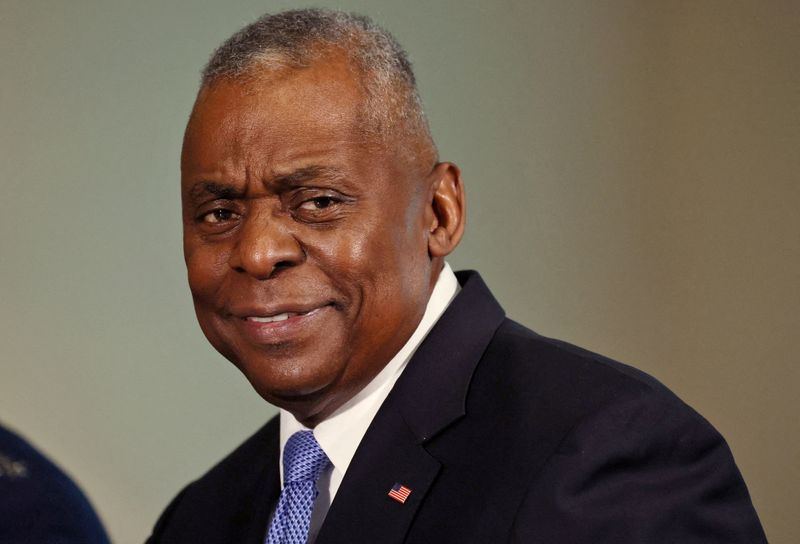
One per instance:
(644, 470)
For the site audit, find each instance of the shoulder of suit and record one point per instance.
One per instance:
(38, 501)
(575, 380)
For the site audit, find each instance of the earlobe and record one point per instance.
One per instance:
(447, 207)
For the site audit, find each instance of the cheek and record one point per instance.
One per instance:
(359, 257)
(206, 268)
(385, 270)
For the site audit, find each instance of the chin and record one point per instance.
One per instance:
(307, 406)
(289, 381)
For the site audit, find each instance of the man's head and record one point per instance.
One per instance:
(294, 40)
(316, 217)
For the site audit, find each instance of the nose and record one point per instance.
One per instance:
(265, 246)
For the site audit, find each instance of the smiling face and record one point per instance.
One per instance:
(308, 250)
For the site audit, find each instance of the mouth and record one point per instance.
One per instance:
(283, 325)
(277, 317)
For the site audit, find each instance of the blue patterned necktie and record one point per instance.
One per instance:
(303, 463)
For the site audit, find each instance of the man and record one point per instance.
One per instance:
(317, 217)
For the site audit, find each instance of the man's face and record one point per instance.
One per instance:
(306, 248)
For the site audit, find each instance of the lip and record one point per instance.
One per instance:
(300, 322)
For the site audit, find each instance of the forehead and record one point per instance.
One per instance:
(280, 112)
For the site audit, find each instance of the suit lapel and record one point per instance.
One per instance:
(253, 521)
(362, 510)
(427, 398)
(255, 526)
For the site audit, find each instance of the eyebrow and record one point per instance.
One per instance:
(216, 189)
(281, 181)
(307, 173)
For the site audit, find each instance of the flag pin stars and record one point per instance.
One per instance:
(399, 493)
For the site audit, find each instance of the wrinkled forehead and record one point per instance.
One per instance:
(322, 103)
(324, 91)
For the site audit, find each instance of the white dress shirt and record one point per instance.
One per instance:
(340, 434)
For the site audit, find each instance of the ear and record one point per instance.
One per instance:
(447, 212)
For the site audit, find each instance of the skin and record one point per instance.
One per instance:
(288, 208)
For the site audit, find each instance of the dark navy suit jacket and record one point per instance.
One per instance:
(502, 435)
(39, 504)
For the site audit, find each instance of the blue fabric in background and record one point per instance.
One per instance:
(38, 502)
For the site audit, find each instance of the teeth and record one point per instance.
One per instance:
(272, 318)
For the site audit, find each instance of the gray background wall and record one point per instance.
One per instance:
(632, 173)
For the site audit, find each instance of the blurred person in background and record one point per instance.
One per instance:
(38, 502)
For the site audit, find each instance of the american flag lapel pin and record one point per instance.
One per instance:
(399, 493)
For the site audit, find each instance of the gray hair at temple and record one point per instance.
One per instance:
(295, 39)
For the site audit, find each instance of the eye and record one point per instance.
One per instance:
(219, 215)
(322, 206)
(318, 203)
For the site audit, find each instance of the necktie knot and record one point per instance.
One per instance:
(303, 458)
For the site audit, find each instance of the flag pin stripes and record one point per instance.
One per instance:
(399, 493)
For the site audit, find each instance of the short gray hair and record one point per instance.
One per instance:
(295, 38)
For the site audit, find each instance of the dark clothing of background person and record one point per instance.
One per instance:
(38, 502)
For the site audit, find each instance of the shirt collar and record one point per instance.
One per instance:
(340, 434)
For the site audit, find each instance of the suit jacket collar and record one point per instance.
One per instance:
(432, 391)
(427, 398)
